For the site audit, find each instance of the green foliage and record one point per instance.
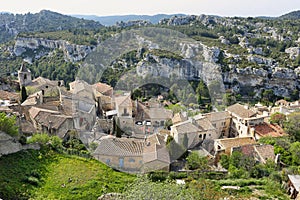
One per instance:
(143, 188)
(292, 125)
(8, 124)
(277, 118)
(41, 138)
(225, 161)
(295, 151)
(48, 175)
(194, 161)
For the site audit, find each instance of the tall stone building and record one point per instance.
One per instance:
(24, 76)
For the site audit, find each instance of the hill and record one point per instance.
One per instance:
(111, 20)
(11, 25)
(49, 175)
(292, 15)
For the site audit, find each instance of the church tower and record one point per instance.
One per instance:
(24, 76)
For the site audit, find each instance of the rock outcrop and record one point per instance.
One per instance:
(42, 47)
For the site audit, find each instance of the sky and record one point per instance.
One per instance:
(244, 8)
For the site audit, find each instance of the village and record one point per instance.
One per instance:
(132, 136)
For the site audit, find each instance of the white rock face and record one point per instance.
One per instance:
(72, 52)
(293, 52)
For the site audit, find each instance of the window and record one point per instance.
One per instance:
(107, 161)
(25, 76)
(131, 160)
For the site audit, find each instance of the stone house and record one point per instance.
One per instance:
(121, 154)
(133, 155)
(124, 108)
(221, 121)
(294, 186)
(196, 129)
(242, 119)
(50, 121)
(226, 145)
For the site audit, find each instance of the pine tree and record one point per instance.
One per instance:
(23, 94)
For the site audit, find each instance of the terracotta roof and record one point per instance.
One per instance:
(235, 142)
(266, 129)
(120, 147)
(103, 88)
(295, 180)
(5, 95)
(241, 111)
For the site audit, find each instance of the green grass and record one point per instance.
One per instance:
(48, 175)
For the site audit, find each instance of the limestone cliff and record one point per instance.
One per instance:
(41, 47)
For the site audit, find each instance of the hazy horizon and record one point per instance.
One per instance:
(227, 8)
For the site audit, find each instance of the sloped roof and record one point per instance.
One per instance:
(186, 127)
(49, 119)
(217, 116)
(123, 101)
(265, 151)
(295, 180)
(178, 117)
(102, 88)
(240, 111)
(120, 147)
(266, 129)
(155, 149)
(204, 123)
(5, 95)
(235, 142)
(160, 113)
(23, 68)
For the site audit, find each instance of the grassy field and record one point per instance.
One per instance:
(36, 175)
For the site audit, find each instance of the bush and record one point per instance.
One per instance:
(8, 124)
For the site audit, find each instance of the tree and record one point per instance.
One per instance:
(23, 94)
(194, 161)
(295, 151)
(292, 126)
(277, 118)
(8, 124)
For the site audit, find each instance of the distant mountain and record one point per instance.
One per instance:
(291, 15)
(111, 20)
(11, 25)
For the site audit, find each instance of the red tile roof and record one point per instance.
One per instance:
(266, 129)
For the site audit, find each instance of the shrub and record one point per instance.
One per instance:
(8, 124)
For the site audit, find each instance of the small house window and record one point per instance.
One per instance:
(25, 76)
(131, 160)
(107, 161)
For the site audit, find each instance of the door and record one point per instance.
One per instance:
(121, 162)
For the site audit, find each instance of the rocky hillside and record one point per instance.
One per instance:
(254, 55)
(11, 25)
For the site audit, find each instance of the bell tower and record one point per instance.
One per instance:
(24, 75)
